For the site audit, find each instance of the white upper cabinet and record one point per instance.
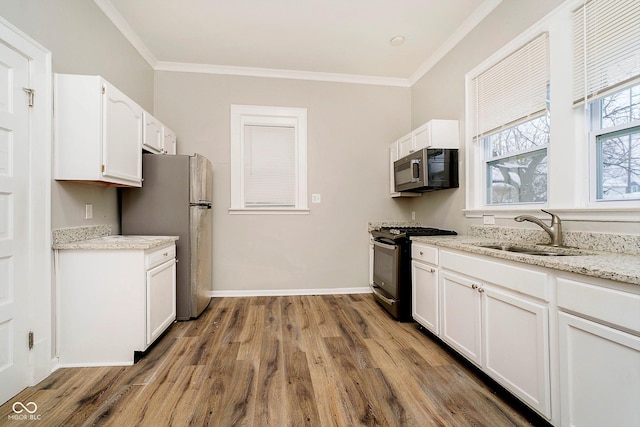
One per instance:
(152, 139)
(157, 138)
(436, 134)
(405, 146)
(98, 132)
(169, 145)
(433, 134)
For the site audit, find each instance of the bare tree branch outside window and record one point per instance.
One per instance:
(618, 152)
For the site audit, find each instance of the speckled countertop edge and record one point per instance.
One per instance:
(99, 237)
(619, 267)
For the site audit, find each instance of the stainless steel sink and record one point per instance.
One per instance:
(552, 251)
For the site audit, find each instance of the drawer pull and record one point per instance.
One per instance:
(165, 254)
(474, 286)
(421, 253)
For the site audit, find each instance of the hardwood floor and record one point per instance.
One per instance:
(334, 360)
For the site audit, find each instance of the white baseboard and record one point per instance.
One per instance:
(290, 292)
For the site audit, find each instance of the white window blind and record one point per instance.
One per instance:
(606, 46)
(269, 154)
(513, 89)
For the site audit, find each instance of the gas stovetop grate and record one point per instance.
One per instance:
(412, 231)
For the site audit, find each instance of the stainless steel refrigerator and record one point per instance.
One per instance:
(175, 200)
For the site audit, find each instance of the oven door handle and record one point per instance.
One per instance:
(384, 245)
(382, 297)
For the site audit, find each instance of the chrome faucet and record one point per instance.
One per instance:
(554, 232)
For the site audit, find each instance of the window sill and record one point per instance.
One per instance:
(592, 214)
(258, 211)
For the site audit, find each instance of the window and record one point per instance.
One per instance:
(606, 84)
(512, 125)
(516, 163)
(268, 159)
(615, 129)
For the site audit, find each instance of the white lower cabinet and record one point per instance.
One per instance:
(516, 345)
(567, 345)
(495, 314)
(599, 351)
(461, 315)
(503, 332)
(424, 300)
(112, 303)
(161, 299)
(425, 295)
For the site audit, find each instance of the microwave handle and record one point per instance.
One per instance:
(415, 170)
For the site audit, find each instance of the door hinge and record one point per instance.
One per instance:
(104, 90)
(31, 93)
(30, 340)
(102, 168)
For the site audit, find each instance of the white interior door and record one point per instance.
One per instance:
(14, 222)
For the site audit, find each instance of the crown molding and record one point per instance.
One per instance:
(467, 26)
(280, 74)
(123, 26)
(127, 31)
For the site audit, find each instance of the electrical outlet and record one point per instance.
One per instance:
(413, 215)
(315, 198)
(88, 211)
(488, 219)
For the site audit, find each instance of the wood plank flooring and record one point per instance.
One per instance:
(333, 360)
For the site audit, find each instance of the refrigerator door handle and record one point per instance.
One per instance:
(201, 205)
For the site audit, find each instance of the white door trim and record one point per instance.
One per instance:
(40, 290)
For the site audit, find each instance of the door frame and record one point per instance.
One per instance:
(39, 309)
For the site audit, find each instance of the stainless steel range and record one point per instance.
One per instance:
(392, 267)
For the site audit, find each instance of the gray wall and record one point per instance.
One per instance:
(83, 41)
(349, 129)
(439, 94)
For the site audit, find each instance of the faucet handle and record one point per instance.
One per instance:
(554, 218)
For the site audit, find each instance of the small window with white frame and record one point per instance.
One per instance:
(268, 159)
(607, 86)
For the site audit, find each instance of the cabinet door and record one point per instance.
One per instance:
(405, 146)
(153, 138)
(461, 319)
(422, 136)
(424, 301)
(599, 374)
(516, 349)
(122, 136)
(161, 299)
(169, 145)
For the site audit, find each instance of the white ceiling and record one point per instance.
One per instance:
(341, 40)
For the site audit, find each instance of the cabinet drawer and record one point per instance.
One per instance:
(424, 253)
(612, 306)
(523, 280)
(159, 256)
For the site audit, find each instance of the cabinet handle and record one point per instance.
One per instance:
(432, 270)
(421, 253)
(474, 286)
(165, 254)
(481, 290)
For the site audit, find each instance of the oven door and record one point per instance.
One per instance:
(386, 266)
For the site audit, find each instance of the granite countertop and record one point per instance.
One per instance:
(119, 242)
(621, 267)
(100, 237)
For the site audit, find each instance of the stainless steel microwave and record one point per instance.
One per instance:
(428, 169)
